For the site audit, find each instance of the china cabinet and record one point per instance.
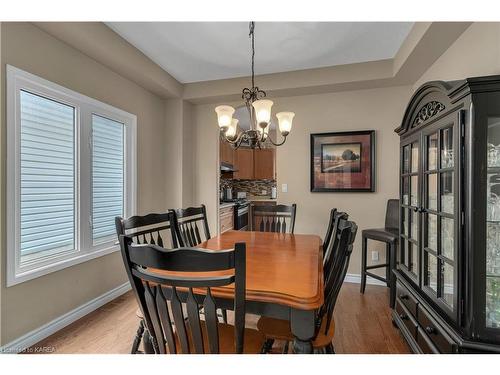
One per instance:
(448, 272)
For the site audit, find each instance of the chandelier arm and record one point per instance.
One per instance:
(277, 144)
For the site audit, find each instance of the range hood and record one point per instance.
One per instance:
(226, 167)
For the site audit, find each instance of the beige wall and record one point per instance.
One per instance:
(475, 53)
(29, 305)
(379, 109)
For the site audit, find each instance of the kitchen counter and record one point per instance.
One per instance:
(227, 204)
(261, 199)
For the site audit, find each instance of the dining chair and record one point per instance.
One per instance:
(186, 225)
(152, 229)
(278, 329)
(329, 246)
(179, 277)
(273, 218)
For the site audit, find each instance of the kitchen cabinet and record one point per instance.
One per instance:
(448, 272)
(264, 164)
(255, 164)
(226, 217)
(226, 153)
(244, 164)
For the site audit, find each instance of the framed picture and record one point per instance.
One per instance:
(343, 161)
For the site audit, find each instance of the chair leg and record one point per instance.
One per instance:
(267, 346)
(364, 244)
(330, 349)
(224, 316)
(392, 277)
(148, 343)
(285, 348)
(138, 338)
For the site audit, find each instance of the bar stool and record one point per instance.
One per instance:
(389, 235)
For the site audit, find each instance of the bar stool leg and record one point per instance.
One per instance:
(364, 243)
(388, 262)
(392, 266)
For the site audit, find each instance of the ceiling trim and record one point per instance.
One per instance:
(422, 47)
(116, 53)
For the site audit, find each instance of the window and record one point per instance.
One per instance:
(71, 171)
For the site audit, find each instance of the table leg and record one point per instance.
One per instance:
(302, 323)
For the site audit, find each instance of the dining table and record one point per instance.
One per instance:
(284, 279)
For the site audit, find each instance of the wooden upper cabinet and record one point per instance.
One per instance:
(226, 153)
(264, 164)
(244, 164)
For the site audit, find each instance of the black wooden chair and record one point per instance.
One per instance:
(186, 225)
(273, 218)
(150, 229)
(186, 221)
(329, 246)
(278, 329)
(388, 235)
(179, 276)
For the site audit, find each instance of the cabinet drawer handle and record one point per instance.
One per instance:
(403, 296)
(430, 330)
(403, 316)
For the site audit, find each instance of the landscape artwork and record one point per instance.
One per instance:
(341, 157)
(343, 161)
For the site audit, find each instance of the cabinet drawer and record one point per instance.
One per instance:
(436, 334)
(424, 342)
(406, 318)
(406, 298)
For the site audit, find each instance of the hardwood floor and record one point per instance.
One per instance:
(363, 325)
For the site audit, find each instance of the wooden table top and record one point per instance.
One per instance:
(281, 268)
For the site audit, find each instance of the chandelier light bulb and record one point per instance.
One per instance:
(232, 129)
(285, 122)
(224, 116)
(262, 111)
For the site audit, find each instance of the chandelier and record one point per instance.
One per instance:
(259, 110)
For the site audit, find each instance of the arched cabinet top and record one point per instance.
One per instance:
(435, 98)
(430, 100)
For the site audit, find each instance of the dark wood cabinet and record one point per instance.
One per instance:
(448, 273)
(264, 164)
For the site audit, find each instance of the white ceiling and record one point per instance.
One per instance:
(202, 51)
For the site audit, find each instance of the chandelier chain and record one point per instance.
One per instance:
(252, 35)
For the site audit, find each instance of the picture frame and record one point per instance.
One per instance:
(343, 161)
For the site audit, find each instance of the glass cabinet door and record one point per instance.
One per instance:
(439, 274)
(410, 226)
(493, 225)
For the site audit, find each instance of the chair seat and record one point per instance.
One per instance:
(279, 329)
(252, 342)
(381, 234)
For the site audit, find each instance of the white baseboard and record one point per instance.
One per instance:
(59, 323)
(356, 279)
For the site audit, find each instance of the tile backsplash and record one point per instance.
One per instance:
(251, 187)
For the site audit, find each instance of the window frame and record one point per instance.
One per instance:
(85, 107)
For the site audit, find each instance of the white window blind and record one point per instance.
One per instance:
(70, 172)
(107, 177)
(47, 177)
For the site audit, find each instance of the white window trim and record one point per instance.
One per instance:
(85, 106)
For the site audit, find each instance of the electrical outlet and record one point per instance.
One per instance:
(374, 255)
(284, 188)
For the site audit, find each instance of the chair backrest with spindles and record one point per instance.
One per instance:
(179, 276)
(338, 270)
(154, 229)
(273, 218)
(187, 222)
